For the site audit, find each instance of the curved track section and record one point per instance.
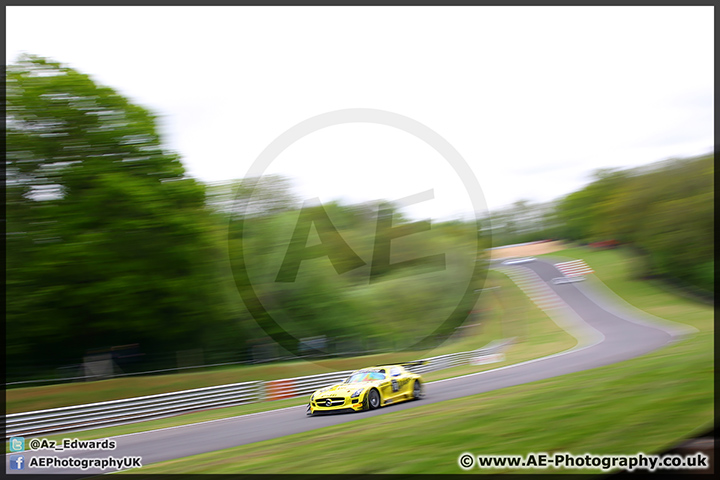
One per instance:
(606, 334)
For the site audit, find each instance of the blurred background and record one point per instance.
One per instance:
(120, 251)
(119, 262)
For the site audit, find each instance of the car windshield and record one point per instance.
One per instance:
(358, 377)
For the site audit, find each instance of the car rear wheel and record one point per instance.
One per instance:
(417, 390)
(373, 399)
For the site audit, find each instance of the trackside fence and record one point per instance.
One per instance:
(129, 410)
(116, 412)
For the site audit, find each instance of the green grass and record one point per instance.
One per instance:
(641, 405)
(536, 334)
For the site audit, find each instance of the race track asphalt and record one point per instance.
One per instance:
(606, 335)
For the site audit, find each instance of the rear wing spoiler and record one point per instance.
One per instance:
(403, 364)
(414, 364)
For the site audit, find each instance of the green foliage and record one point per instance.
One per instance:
(665, 211)
(108, 240)
(404, 306)
(109, 243)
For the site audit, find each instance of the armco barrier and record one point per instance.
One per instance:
(115, 412)
(129, 410)
(461, 358)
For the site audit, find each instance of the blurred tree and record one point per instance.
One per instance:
(521, 222)
(253, 197)
(665, 210)
(585, 212)
(402, 307)
(677, 228)
(108, 240)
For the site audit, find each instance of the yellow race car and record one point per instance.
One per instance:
(368, 389)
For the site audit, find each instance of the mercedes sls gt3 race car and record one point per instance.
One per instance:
(368, 389)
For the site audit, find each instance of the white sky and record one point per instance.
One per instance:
(533, 98)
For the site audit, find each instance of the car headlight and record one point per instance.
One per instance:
(357, 393)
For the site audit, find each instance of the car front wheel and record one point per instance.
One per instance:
(373, 399)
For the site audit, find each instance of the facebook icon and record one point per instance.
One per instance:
(17, 462)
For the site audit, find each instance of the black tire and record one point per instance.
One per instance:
(417, 390)
(373, 399)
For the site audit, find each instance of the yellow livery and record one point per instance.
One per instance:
(368, 389)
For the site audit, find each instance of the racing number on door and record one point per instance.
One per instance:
(395, 386)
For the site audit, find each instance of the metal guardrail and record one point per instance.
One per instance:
(114, 412)
(131, 409)
(461, 358)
